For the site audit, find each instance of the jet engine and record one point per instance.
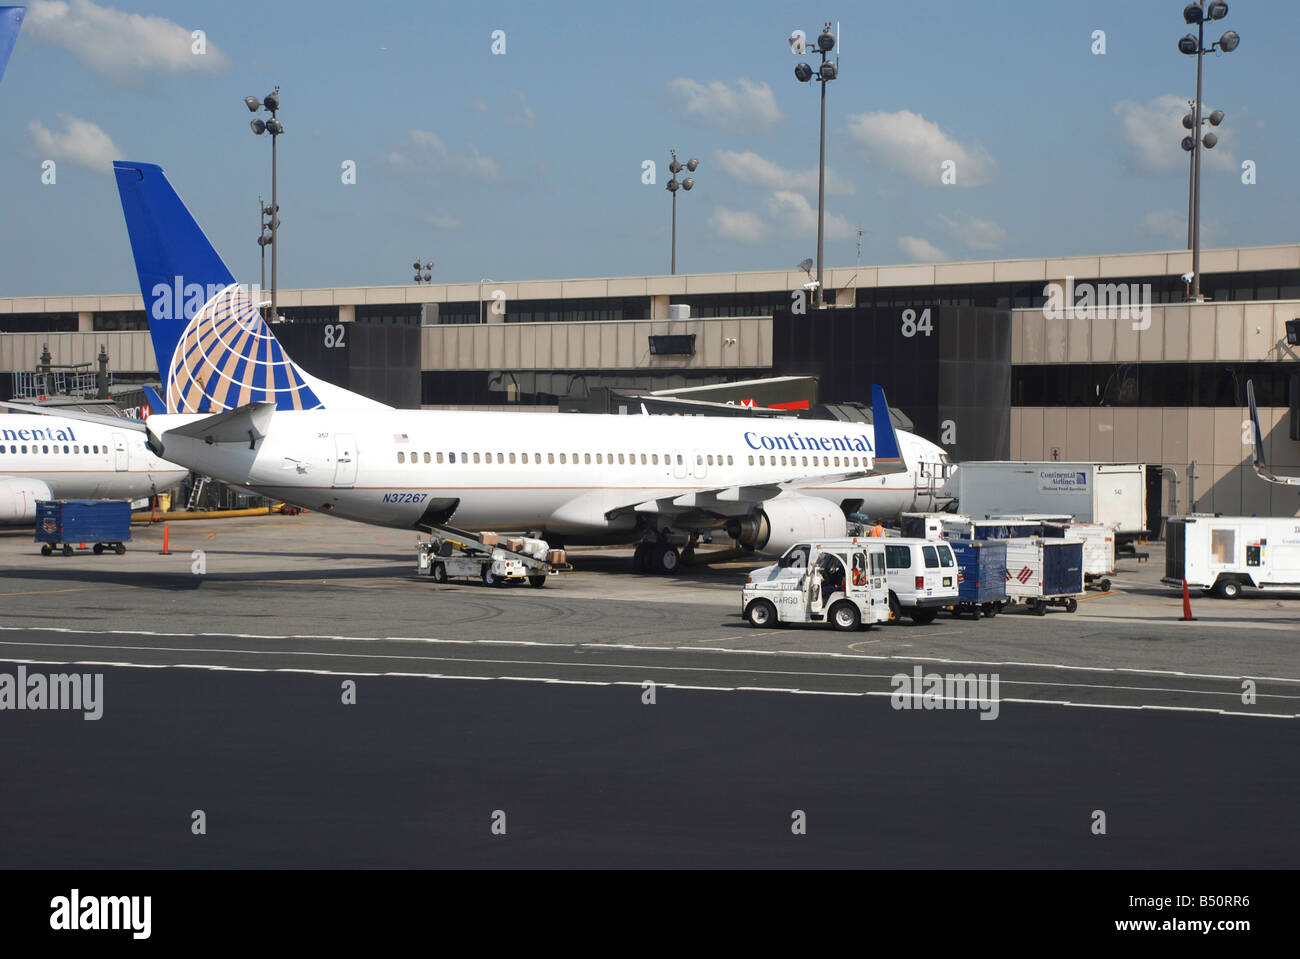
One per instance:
(779, 523)
(18, 497)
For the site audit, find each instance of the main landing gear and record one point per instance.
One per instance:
(662, 556)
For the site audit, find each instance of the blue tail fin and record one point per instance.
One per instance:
(213, 349)
(11, 18)
(887, 448)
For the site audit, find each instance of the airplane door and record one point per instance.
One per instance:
(120, 462)
(345, 460)
(698, 467)
(679, 464)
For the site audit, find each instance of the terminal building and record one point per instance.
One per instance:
(1091, 358)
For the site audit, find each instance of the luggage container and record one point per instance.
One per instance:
(1044, 572)
(981, 576)
(1098, 550)
(998, 527)
(1224, 554)
(104, 522)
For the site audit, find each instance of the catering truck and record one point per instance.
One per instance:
(1111, 493)
(1224, 554)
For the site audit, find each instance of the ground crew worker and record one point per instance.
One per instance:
(877, 530)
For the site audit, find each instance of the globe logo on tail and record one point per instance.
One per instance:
(228, 357)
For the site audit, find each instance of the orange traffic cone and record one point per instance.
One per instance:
(1187, 605)
(167, 528)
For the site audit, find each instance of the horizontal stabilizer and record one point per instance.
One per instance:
(242, 425)
(1257, 460)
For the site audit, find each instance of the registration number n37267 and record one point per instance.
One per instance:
(405, 497)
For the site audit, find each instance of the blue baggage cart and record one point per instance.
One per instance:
(981, 576)
(104, 522)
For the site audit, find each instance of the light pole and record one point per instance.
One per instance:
(427, 277)
(486, 279)
(263, 240)
(828, 71)
(1194, 45)
(673, 186)
(273, 126)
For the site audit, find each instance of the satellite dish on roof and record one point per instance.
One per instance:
(806, 265)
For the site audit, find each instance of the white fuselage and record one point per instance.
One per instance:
(81, 460)
(574, 475)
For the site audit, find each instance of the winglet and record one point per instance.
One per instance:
(1256, 434)
(888, 453)
(156, 404)
(1257, 445)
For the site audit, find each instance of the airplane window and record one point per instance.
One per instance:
(699, 460)
(512, 457)
(76, 449)
(24, 449)
(550, 457)
(598, 457)
(401, 457)
(710, 459)
(620, 460)
(730, 461)
(762, 460)
(501, 458)
(679, 459)
(643, 459)
(586, 458)
(561, 457)
(45, 449)
(837, 461)
(475, 457)
(415, 459)
(440, 457)
(428, 458)
(523, 458)
(654, 458)
(65, 449)
(609, 458)
(537, 458)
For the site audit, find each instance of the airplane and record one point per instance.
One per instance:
(50, 456)
(1257, 445)
(11, 19)
(236, 407)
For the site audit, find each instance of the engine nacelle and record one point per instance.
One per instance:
(780, 523)
(18, 498)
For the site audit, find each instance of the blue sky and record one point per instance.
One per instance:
(529, 164)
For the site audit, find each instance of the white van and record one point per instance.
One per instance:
(922, 578)
(841, 582)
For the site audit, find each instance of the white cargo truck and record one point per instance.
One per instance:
(1110, 493)
(1098, 549)
(1224, 554)
(841, 582)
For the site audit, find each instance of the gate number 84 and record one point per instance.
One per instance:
(911, 324)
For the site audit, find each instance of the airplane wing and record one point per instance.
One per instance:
(1257, 445)
(729, 500)
(118, 422)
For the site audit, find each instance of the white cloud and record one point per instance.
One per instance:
(80, 141)
(746, 107)
(441, 221)
(739, 225)
(749, 167)
(424, 151)
(1165, 225)
(908, 143)
(794, 210)
(120, 45)
(918, 250)
(527, 117)
(974, 233)
(1154, 130)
